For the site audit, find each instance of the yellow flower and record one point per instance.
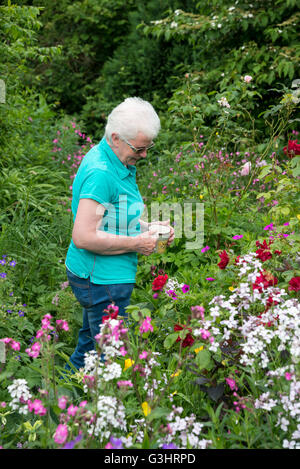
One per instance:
(201, 196)
(176, 374)
(197, 350)
(231, 288)
(128, 364)
(298, 216)
(146, 408)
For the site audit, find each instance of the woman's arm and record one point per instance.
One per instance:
(86, 233)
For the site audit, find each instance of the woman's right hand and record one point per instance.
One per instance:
(145, 243)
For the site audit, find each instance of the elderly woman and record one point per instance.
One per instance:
(108, 234)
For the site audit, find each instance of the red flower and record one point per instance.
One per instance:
(159, 282)
(292, 149)
(188, 340)
(294, 284)
(263, 254)
(224, 260)
(266, 279)
(112, 312)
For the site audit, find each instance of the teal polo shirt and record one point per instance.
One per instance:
(103, 177)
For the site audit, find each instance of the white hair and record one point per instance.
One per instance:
(132, 116)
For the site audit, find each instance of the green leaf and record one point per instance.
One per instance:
(170, 340)
(203, 359)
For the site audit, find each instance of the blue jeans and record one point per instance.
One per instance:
(94, 299)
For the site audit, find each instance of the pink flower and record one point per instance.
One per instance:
(72, 409)
(46, 322)
(197, 311)
(62, 402)
(124, 384)
(11, 343)
(61, 434)
(206, 248)
(146, 325)
(204, 334)
(247, 78)
(231, 383)
(245, 170)
(123, 352)
(37, 407)
(62, 325)
(143, 355)
(237, 236)
(34, 351)
(288, 376)
(15, 345)
(210, 279)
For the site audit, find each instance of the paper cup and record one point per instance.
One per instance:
(163, 233)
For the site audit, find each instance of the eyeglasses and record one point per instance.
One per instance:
(140, 149)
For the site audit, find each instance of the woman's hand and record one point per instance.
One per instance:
(165, 223)
(145, 243)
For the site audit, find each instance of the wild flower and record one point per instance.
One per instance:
(247, 78)
(245, 170)
(223, 102)
(61, 434)
(110, 415)
(20, 393)
(294, 284)
(224, 260)
(146, 325)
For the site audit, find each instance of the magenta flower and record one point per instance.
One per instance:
(62, 325)
(237, 236)
(62, 402)
(185, 288)
(125, 384)
(206, 248)
(72, 410)
(37, 407)
(61, 434)
(146, 325)
(231, 383)
(210, 279)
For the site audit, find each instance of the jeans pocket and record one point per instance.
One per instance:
(81, 289)
(120, 291)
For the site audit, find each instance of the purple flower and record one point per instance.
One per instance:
(12, 263)
(185, 288)
(3, 274)
(237, 236)
(206, 248)
(72, 443)
(169, 446)
(210, 279)
(114, 443)
(3, 262)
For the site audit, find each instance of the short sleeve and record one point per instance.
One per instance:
(98, 185)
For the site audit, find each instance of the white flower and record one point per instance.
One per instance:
(111, 414)
(247, 78)
(223, 102)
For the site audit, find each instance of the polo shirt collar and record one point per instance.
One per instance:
(121, 169)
